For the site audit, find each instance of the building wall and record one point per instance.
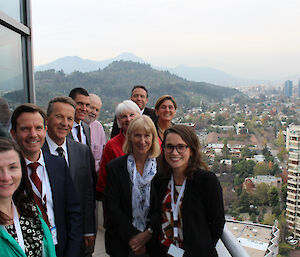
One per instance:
(16, 69)
(293, 188)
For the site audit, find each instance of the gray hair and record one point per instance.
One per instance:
(126, 105)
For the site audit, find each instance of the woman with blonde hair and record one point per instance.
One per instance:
(127, 192)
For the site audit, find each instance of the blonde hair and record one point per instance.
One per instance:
(142, 122)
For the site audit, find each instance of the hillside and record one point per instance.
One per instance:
(113, 84)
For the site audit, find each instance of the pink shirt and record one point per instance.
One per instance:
(98, 142)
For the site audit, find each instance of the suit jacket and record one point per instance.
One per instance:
(202, 212)
(87, 132)
(66, 207)
(118, 209)
(81, 172)
(148, 111)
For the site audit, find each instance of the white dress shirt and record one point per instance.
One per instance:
(74, 132)
(53, 146)
(46, 190)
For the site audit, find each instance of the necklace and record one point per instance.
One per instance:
(160, 130)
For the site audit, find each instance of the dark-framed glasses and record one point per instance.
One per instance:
(179, 148)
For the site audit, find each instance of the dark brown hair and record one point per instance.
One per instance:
(164, 98)
(78, 91)
(190, 138)
(140, 86)
(31, 108)
(23, 196)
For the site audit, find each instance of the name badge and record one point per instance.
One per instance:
(175, 251)
(54, 235)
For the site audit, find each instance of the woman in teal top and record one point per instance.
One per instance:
(23, 231)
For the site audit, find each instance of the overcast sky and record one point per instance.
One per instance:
(247, 38)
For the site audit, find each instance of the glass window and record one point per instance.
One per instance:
(11, 8)
(11, 72)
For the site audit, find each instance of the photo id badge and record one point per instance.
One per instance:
(175, 251)
(54, 235)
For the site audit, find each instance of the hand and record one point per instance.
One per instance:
(89, 241)
(138, 242)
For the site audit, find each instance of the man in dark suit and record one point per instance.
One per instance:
(61, 112)
(50, 179)
(80, 131)
(139, 95)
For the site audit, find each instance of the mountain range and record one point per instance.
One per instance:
(199, 74)
(114, 83)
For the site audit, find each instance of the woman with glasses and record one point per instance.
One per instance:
(127, 193)
(187, 213)
(165, 110)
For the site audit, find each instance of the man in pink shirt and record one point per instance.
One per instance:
(98, 139)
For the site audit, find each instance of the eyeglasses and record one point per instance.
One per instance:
(179, 148)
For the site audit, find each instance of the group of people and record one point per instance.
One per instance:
(159, 199)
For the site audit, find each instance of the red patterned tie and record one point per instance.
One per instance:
(38, 184)
(78, 133)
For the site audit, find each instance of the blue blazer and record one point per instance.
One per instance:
(67, 215)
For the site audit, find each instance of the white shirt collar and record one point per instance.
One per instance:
(52, 145)
(75, 124)
(40, 160)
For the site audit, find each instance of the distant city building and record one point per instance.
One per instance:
(257, 158)
(226, 161)
(241, 128)
(257, 239)
(293, 187)
(288, 88)
(299, 88)
(192, 125)
(252, 182)
(223, 128)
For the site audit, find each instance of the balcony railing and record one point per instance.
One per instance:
(232, 244)
(235, 249)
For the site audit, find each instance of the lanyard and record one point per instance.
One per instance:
(175, 207)
(18, 228)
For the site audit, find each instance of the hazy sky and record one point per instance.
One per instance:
(247, 38)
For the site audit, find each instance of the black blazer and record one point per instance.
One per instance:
(66, 207)
(148, 111)
(118, 209)
(202, 211)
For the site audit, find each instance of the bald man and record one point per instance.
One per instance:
(98, 139)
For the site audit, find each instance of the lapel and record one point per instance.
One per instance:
(71, 154)
(126, 183)
(50, 168)
(70, 136)
(12, 243)
(86, 130)
(46, 147)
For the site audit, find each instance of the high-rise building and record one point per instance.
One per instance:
(293, 187)
(288, 88)
(299, 88)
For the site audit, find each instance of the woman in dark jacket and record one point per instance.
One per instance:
(127, 192)
(187, 212)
